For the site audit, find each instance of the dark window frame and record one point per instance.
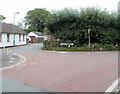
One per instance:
(0, 37)
(8, 37)
(23, 37)
(19, 37)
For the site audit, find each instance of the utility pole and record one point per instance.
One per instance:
(14, 17)
(14, 27)
(89, 36)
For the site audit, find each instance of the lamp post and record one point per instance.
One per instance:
(14, 17)
(89, 37)
(89, 32)
(14, 27)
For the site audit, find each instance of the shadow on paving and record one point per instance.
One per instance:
(14, 86)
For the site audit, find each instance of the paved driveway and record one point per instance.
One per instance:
(65, 71)
(28, 48)
(9, 59)
(10, 85)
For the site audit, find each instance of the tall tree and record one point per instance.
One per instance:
(35, 19)
(72, 25)
(2, 17)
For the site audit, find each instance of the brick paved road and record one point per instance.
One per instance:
(71, 71)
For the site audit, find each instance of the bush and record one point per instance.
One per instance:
(50, 44)
(105, 47)
(54, 46)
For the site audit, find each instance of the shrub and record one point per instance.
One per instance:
(54, 46)
(50, 44)
(105, 47)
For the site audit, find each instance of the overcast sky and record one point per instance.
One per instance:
(9, 7)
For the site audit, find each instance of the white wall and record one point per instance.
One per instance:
(17, 42)
(4, 42)
(33, 34)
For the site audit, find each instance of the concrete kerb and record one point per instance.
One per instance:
(22, 60)
(113, 86)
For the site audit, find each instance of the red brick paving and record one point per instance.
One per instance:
(68, 72)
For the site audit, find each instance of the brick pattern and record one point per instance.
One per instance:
(68, 72)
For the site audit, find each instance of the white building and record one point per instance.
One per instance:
(11, 35)
(36, 35)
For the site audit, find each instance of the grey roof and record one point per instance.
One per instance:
(10, 28)
(38, 33)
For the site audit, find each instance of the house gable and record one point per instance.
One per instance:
(32, 34)
(9, 28)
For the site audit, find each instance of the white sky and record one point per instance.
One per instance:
(9, 7)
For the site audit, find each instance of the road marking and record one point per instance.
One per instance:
(63, 52)
(22, 65)
(23, 59)
(112, 87)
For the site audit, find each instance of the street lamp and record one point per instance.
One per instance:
(89, 36)
(14, 17)
(89, 31)
(14, 27)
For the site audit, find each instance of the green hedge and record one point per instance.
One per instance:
(54, 46)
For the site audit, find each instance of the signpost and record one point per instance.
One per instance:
(89, 37)
(67, 44)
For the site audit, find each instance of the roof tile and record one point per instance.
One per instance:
(10, 28)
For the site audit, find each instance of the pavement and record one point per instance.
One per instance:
(62, 71)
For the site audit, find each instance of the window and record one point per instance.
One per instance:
(19, 37)
(0, 37)
(8, 37)
(23, 37)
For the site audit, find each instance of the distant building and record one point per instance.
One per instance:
(36, 37)
(11, 35)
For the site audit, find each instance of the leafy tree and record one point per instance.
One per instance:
(21, 24)
(2, 17)
(70, 25)
(35, 19)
